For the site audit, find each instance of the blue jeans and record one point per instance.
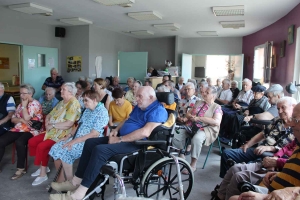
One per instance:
(96, 152)
(238, 156)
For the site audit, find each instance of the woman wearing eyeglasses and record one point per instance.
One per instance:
(92, 124)
(29, 109)
(59, 123)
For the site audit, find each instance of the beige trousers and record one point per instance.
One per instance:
(196, 142)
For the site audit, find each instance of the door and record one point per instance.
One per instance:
(239, 66)
(186, 70)
(37, 63)
(132, 64)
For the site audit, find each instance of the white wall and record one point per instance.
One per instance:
(75, 43)
(159, 50)
(107, 44)
(13, 53)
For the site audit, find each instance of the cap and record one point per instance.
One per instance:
(259, 88)
(275, 87)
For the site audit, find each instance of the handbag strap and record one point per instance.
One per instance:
(201, 109)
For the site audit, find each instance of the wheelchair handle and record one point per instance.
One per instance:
(262, 122)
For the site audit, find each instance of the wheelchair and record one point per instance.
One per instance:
(153, 171)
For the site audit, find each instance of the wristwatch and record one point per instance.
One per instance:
(53, 125)
(120, 139)
(22, 107)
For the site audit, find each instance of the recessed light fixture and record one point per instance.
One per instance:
(233, 24)
(115, 2)
(142, 33)
(149, 15)
(207, 33)
(228, 10)
(171, 27)
(76, 21)
(31, 8)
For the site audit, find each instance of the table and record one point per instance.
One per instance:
(14, 92)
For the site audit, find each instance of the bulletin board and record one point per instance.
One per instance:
(74, 63)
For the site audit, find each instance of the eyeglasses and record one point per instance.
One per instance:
(295, 120)
(23, 93)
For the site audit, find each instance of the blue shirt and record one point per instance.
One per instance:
(58, 82)
(138, 118)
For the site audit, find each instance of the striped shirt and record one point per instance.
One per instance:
(11, 105)
(290, 174)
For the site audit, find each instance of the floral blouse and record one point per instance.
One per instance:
(61, 113)
(34, 109)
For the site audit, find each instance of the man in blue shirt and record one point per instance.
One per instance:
(55, 82)
(148, 114)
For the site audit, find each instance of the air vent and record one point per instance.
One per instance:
(233, 24)
(76, 21)
(31, 8)
(115, 2)
(141, 33)
(142, 16)
(207, 33)
(228, 10)
(171, 27)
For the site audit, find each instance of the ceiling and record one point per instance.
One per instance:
(191, 15)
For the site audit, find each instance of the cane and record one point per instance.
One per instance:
(61, 166)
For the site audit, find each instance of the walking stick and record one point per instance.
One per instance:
(61, 166)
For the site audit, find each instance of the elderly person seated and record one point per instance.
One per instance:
(29, 111)
(148, 83)
(234, 89)
(279, 136)
(48, 100)
(119, 108)
(100, 88)
(92, 124)
(59, 123)
(153, 72)
(202, 88)
(180, 84)
(130, 82)
(81, 88)
(55, 82)
(171, 86)
(131, 94)
(116, 82)
(224, 95)
(165, 78)
(207, 116)
(90, 83)
(7, 109)
(245, 95)
(147, 115)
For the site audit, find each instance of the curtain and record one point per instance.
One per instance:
(98, 65)
(296, 77)
(268, 62)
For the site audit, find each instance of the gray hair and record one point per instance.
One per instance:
(71, 87)
(192, 81)
(81, 78)
(190, 84)
(130, 78)
(234, 82)
(277, 93)
(227, 81)
(163, 89)
(213, 90)
(29, 88)
(204, 83)
(246, 80)
(53, 69)
(90, 80)
(1, 85)
(51, 89)
(139, 82)
(289, 100)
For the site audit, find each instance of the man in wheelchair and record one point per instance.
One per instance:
(147, 115)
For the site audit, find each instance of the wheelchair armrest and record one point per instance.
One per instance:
(262, 122)
(150, 142)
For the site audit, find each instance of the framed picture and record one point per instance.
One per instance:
(4, 63)
(282, 48)
(291, 34)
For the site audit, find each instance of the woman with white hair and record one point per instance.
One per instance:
(234, 89)
(130, 82)
(59, 123)
(48, 100)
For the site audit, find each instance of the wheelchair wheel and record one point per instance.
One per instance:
(160, 180)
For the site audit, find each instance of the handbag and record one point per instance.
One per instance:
(37, 125)
(194, 128)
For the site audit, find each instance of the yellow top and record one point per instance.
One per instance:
(119, 113)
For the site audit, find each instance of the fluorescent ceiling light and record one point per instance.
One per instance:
(228, 10)
(172, 27)
(31, 8)
(114, 2)
(141, 33)
(76, 21)
(151, 15)
(233, 24)
(207, 33)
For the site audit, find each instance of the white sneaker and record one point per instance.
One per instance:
(39, 180)
(37, 172)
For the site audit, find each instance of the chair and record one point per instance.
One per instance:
(154, 172)
(14, 152)
(212, 145)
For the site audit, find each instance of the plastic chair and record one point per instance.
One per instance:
(212, 145)
(13, 155)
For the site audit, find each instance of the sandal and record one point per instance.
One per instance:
(19, 173)
(186, 172)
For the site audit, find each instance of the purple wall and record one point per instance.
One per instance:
(276, 32)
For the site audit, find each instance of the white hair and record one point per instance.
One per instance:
(289, 100)
(192, 81)
(190, 84)
(71, 87)
(90, 80)
(163, 89)
(81, 78)
(53, 69)
(29, 88)
(131, 78)
(1, 85)
(234, 82)
(227, 81)
(51, 89)
(246, 80)
(203, 83)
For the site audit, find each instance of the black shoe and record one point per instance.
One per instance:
(215, 191)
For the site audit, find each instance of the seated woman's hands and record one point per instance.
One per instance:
(269, 162)
(261, 149)
(269, 178)
(71, 143)
(244, 147)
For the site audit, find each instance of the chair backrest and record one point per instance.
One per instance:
(165, 97)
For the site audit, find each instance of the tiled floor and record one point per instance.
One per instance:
(21, 189)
